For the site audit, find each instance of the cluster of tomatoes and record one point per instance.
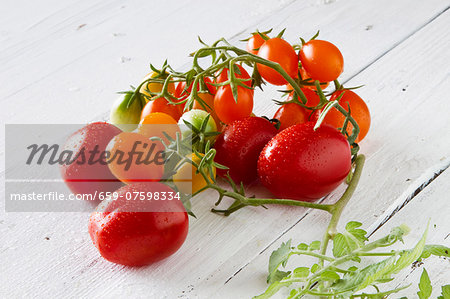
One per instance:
(288, 154)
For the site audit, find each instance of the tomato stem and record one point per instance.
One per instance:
(339, 206)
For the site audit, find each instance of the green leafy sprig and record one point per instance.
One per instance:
(340, 275)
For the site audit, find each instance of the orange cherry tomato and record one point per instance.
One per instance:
(156, 124)
(135, 158)
(358, 110)
(280, 51)
(254, 43)
(162, 105)
(228, 109)
(291, 114)
(321, 60)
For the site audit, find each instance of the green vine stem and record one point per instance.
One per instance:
(339, 206)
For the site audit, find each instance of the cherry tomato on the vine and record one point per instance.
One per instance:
(196, 117)
(305, 164)
(208, 106)
(136, 229)
(156, 124)
(223, 75)
(254, 43)
(135, 158)
(181, 92)
(292, 113)
(322, 60)
(239, 145)
(358, 110)
(155, 87)
(228, 109)
(162, 105)
(280, 51)
(187, 179)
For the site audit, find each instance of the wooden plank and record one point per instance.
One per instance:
(405, 92)
(217, 247)
(430, 205)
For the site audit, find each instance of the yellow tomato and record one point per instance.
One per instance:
(187, 180)
(154, 87)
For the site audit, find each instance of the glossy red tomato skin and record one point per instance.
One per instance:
(280, 51)
(239, 146)
(291, 114)
(322, 60)
(139, 233)
(162, 105)
(302, 164)
(227, 109)
(223, 76)
(254, 43)
(359, 111)
(85, 178)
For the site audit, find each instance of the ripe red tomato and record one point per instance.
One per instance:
(239, 145)
(280, 51)
(223, 75)
(254, 43)
(303, 164)
(162, 105)
(358, 110)
(321, 60)
(227, 109)
(139, 232)
(88, 178)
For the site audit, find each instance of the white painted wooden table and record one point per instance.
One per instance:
(63, 61)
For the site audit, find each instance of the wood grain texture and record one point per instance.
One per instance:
(64, 72)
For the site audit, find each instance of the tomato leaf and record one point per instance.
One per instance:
(278, 258)
(424, 286)
(445, 292)
(437, 250)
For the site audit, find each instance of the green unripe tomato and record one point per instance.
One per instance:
(125, 114)
(196, 117)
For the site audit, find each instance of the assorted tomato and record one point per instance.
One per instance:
(255, 42)
(288, 156)
(157, 124)
(89, 178)
(239, 73)
(135, 158)
(280, 51)
(187, 179)
(155, 87)
(292, 113)
(162, 105)
(358, 110)
(239, 145)
(135, 231)
(304, 164)
(228, 108)
(321, 60)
